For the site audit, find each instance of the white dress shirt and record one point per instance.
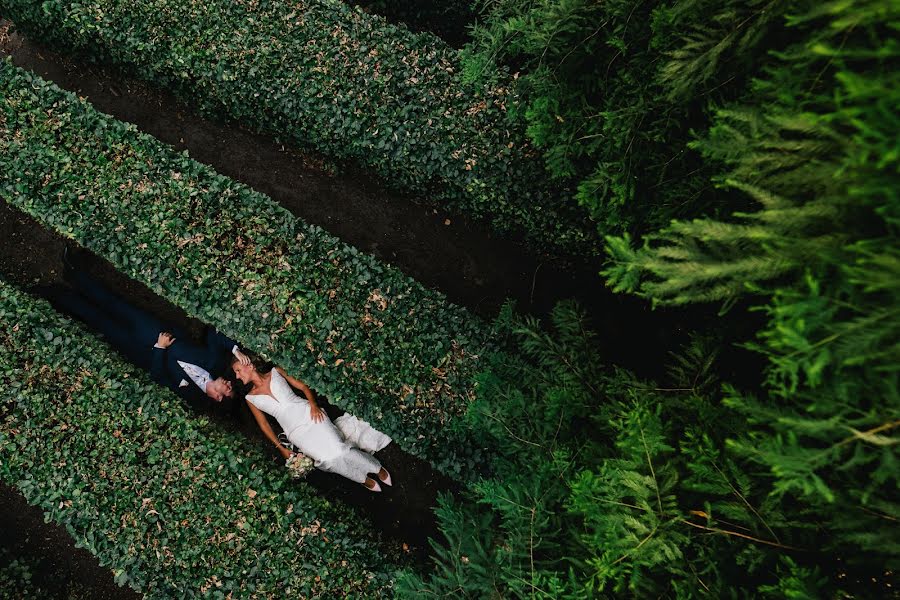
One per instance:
(198, 375)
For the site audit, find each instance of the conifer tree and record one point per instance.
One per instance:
(608, 485)
(612, 90)
(811, 165)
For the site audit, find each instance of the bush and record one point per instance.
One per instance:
(374, 341)
(172, 504)
(813, 152)
(608, 486)
(612, 90)
(328, 77)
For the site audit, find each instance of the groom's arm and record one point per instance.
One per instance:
(158, 365)
(216, 341)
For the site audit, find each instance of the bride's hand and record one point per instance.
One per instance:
(285, 453)
(316, 414)
(242, 358)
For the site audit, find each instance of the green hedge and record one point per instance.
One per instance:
(374, 341)
(328, 77)
(175, 506)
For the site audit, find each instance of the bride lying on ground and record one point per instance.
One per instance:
(308, 428)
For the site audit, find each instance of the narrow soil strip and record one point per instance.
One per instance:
(31, 257)
(60, 568)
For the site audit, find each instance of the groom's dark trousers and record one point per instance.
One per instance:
(133, 332)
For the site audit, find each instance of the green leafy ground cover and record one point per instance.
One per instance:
(374, 341)
(329, 77)
(172, 504)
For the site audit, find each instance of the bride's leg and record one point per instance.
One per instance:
(353, 464)
(356, 465)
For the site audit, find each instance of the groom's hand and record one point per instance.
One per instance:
(164, 340)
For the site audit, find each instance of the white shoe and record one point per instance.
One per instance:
(387, 479)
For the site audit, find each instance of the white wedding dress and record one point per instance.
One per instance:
(328, 446)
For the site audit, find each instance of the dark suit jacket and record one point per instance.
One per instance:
(134, 332)
(215, 358)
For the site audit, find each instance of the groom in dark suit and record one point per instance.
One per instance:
(193, 372)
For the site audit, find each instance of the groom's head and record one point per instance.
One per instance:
(219, 388)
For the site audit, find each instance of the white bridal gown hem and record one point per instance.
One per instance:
(360, 434)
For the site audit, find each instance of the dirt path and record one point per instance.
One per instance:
(31, 256)
(61, 568)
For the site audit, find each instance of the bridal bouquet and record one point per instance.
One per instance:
(299, 465)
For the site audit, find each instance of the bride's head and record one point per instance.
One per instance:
(246, 373)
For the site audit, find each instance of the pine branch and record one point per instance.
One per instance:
(741, 535)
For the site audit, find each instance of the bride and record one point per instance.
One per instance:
(308, 428)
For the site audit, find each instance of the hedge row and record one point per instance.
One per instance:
(328, 77)
(374, 341)
(175, 506)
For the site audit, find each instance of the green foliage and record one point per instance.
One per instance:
(330, 78)
(811, 158)
(612, 89)
(643, 532)
(612, 486)
(175, 506)
(374, 341)
(693, 368)
(795, 582)
(16, 578)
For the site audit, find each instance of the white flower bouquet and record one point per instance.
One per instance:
(299, 465)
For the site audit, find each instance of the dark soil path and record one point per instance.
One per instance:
(60, 569)
(31, 257)
(448, 19)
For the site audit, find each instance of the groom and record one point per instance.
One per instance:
(193, 372)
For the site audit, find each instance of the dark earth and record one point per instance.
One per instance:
(440, 249)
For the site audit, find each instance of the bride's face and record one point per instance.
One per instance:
(242, 372)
